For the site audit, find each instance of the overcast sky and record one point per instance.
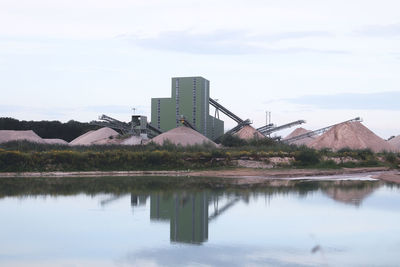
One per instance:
(321, 61)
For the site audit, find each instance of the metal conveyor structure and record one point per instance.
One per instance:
(137, 126)
(227, 112)
(319, 131)
(267, 129)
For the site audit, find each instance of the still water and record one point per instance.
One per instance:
(302, 223)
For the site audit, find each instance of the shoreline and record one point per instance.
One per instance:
(244, 175)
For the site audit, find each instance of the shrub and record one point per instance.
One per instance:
(307, 157)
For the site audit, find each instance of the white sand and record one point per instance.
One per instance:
(353, 135)
(183, 136)
(249, 132)
(55, 141)
(132, 141)
(297, 132)
(11, 135)
(395, 142)
(100, 136)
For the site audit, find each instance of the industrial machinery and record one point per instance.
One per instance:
(270, 128)
(316, 132)
(227, 112)
(138, 126)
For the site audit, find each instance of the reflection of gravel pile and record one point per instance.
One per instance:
(351, 135)
(248, 132)
(183, 136)
(98, 137)
(10, 135)
(55, 141)
(350, 196)
(297, 132)
(395, 142)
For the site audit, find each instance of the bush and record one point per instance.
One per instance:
(307, 158)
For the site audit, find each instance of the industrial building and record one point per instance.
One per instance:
(190, 98)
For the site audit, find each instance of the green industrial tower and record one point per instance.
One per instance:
(190, 98)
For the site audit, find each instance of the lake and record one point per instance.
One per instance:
(161, 221)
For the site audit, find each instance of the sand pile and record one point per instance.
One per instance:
(55, 141)
(395, 142)
(133, 141)
(352, 135)
(183, 136)
(10, 135)
(249, 132)
(101, 136)
(297, 132)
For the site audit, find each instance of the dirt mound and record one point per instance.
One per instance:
(395, 142)
(55, 141)
(297, 132)
(10, 135)
(249, 132)
(101, 136)
(133, 141)
(183, 136)
(351, 135)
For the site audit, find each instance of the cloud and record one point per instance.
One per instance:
(350, 101)
(391, 30)
(225, 42)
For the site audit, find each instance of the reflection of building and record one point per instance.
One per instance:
(188, 215)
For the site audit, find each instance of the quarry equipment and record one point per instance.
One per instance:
(230, 114)
(238, 127)
(138, 126)
(226, 111)
(316, 132)
(185, 122)
(267, 129)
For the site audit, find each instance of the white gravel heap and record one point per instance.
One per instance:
(182, 136)
(100, 136)
(249, 132)
(353, 135)
(395, 142)
(11, 135)
(55, 141)
(297, 132)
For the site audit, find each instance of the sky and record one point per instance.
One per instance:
(320, 61)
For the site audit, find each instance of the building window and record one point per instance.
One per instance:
(177, 101)
(194, 102)
(159, 114)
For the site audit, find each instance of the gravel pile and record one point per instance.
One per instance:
(182, 136)
(55, 141)
(351, 135)
(101, 136)
(395, 142)
(11, 135)
(297, 132)
(133, 141)
(249, 132)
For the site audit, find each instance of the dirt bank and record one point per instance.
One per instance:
(389, 176)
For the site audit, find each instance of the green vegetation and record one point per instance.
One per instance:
(25, 156)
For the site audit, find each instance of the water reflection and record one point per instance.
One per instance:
(351, 196)
(232, 226)
(186, 213)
